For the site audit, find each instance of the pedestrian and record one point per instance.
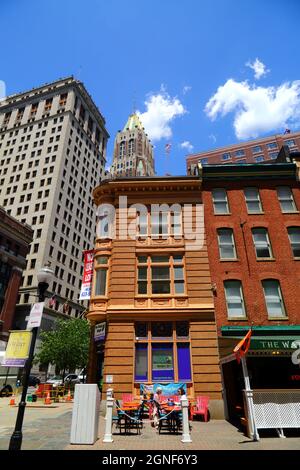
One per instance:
(157, 394)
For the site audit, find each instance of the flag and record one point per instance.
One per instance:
(52, 301)
(242, 347)
(168, 148)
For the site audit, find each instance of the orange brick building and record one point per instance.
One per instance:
(154, 293)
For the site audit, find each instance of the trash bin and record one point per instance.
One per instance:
(85, 414)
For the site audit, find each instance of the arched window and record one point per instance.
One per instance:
(122, 148)
(131, 147)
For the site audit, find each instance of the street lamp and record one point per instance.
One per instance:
(44, 276)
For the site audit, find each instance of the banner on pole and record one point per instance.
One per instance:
(36, 314)
(17, 350)
(86, 285)
(99, 334)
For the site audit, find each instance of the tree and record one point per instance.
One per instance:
(66, 346)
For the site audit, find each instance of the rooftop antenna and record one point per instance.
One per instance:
(134, 103)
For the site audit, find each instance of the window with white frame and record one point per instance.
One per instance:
(286, 199)
(273, 298)
(234, 299)
(253, 201)
(226, 243)
(271, 145)
(294, 237)
(261, 242)
(256, 149)
(220, 201)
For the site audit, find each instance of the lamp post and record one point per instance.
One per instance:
(44, 277)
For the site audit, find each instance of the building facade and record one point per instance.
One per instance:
(152, 288)
(52, 153)
(133, 151)
(252, 151)
(15, 239)
(253, 236)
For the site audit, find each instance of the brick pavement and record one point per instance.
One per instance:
(49, 429)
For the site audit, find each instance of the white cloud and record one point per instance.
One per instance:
(213, 138)
(186, 89)
(187, 145)
(259, 68)
(161, 110)
(257, 110)
(2, 90)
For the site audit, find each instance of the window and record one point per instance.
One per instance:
(259, 159)
(271, 146)
(261, 242)
(63, 99)
(131, 147)
(234, 299)
(252, 200)
(203, 161)
(158, 343)
(286, 199)
(226, 156)
(122, 149)
(290, 143)
(226, 243)
(159, 223)
(160, 274)
(273, 155)
(273, 298)
(294, 236)
(101, 266)
(220, 201)
(239, 153)
(256, 149)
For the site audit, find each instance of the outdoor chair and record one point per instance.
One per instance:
(127, 397)
(170, 422)
(201, 408)
(121, 420)
(137, 421)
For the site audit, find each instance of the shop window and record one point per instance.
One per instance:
(162, 330)
(294, 236)
(252, 199)
(226, 243)
(261, 242)
(234, 299)
(273, 298)
(141, 362)
(162, 352)
(220, 201)
(286, 199)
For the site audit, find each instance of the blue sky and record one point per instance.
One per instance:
(183, 64)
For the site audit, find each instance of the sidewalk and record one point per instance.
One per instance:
(214, 435)
(49, 429)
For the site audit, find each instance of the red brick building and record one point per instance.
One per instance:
(253, 237)
(252, 151)
(15, 239)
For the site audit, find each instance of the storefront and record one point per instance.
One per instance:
(272, 362)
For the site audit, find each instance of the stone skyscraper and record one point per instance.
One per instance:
(133, 151)
(52, 154)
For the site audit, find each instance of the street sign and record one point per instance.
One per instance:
(35, 317)
(17, 349)
(99, 334)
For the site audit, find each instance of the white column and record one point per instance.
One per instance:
(109, 413)
(185, 419)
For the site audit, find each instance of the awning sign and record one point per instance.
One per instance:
(99, 334)
(85, 292)
(36, 314)
(17, 350)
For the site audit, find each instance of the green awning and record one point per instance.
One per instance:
(274, 343)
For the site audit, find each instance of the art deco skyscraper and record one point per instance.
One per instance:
(133, 151)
